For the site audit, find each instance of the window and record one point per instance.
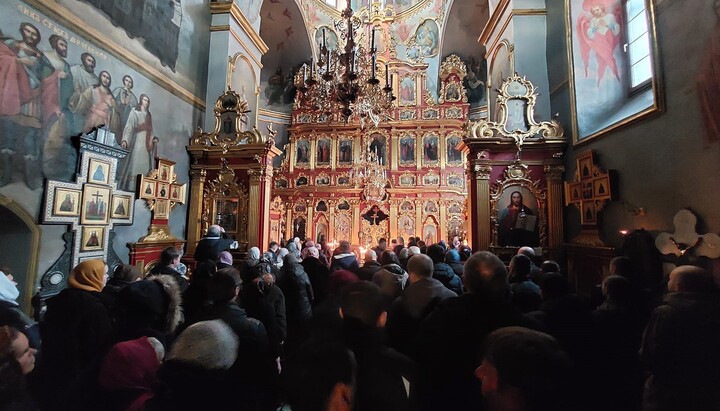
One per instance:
(637, 47)
(332, 3)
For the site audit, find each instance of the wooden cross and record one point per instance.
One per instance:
(88, 188)
(161, 192)
(590, 190)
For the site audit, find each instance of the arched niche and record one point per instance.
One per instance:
(19, 247)
(242, 79)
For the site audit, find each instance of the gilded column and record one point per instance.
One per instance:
(196, 225)
(480, 203)
(356, 223)
(310, 230)
(554, 182)
(289, 222)
(442, 230)
(259, 207)
(393, 221)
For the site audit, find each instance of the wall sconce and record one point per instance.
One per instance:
(633, 209)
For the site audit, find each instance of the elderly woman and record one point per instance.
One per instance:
(77, 333)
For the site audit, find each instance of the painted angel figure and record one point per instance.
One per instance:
(598, 30)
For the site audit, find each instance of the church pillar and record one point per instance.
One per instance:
(442, 230)
(259, 207)
(234, 59)
(356, 223)
(554, 181)
(393, 221)
(480, 206)
(515, 40)
(195, 226)
(311, 231)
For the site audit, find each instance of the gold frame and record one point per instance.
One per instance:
(106, 166)
(325, 176)
(455, 175)
(87, 230)
(447, 151)
(436, 162)
(302, 175)
(406, 175)
(658, 105)
(366, 141)
(329, 139)
(119, 197)
(401, 137)
(56, 206)
(161, 209)
(407, 103)
(311, 155)
(340, 139)
(86, 199)
(160, 186)
(343, 175)
(142, 192)
(431, 174)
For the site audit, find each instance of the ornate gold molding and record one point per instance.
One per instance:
(157, 232)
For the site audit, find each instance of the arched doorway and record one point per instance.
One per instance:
(19, 246)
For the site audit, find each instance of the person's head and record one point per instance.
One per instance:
(89, 275)
(16, 355)
(691, 279)
(389, 257)
(516, 199)
(617, 289)
(214, 231)
(370, 255)
(413, 250)
(452, 256)
(127, 273)
(273, 246)
(320, 377)
(151, 305)
(621, 266)
(485, 273)
(456, 242)
(400, 241)
(597, 10)
(436, 253)
(523, 369)
(225, 258)
(313, 252)
(144, 103)
(382, 244)
(170, 257)
(443, 245)
(30, 34)
(520, 267)
(127, 82)
(253, 254)
(339, 279)
(419, 266)
(528, 252)
(104, 79)
(131, 365)
(210, 345)
(363, 302)
(344, 247)
(224, 285)
(549, 266)
(554, 285)
(403, 254)
(88, 61)
(465, 253)
(59, 44)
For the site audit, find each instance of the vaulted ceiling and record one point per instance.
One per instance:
(463, 26)
(283, 30)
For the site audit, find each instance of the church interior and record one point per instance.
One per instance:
(293, 203)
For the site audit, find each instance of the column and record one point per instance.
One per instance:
(554, 182)
(195, 225)
(259, 207)
(480, 206)
(393, 233)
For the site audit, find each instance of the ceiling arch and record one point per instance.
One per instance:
(465, 21)
(282, 27)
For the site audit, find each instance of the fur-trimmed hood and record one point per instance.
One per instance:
(153, 303)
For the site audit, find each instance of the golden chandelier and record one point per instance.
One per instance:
(345, 80)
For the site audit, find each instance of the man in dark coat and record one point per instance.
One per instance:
(254, 370)
(380, 369)
(344, 259)
(299, 297)
(680, 345)
(169, 261)
(448, 340)
(370, 267)
(443, 272)
(318, 272)
(452, 258)
(210, 247)
(415, 303)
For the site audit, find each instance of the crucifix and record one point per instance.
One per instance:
(161, 192)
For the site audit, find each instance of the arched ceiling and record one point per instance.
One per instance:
(465, 21)
(282, 27)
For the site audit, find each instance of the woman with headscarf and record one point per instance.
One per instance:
(225, 260)
(299, 297)
(318, 272)
(77, 332)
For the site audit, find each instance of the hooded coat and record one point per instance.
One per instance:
(344, 261)
(391, 279)
(128, 375)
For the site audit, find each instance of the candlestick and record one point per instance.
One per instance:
(372, 44)
(387, 73)
(374, 63)
(324, 38)
(312, 68)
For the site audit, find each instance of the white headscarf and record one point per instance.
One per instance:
(253, 253)
(8, 290)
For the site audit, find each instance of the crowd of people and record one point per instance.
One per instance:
(413, 326)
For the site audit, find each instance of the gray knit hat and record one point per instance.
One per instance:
(209, 344)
